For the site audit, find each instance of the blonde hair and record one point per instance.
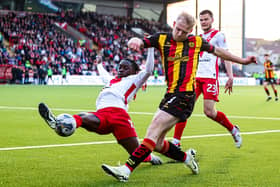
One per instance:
(187, 18)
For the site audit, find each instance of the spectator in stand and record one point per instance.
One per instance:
(26, 76)
(64, 74)
(42, 75)
(34, 38)
(1, 39)
(50, 74)
(35, 75)
(156, 74)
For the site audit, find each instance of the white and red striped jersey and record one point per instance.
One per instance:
(208, 66)
(118, 92)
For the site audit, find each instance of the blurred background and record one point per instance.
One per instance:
(41, 37)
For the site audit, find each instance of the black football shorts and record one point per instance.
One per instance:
(179, 104)
(270, 80)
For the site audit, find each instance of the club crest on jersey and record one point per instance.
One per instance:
(191, 44)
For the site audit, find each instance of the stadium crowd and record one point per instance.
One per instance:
(35, 44)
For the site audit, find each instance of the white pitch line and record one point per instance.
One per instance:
(56, 145)
(33, 108)
(111, 142)
(137, 113)
(228, 134)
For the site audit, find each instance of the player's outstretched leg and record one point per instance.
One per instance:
(191, 162)
(64, 124)
(188, 157)
(47, 115)
(155, 160)
(236, 136)
(121, 173)
(268, 98)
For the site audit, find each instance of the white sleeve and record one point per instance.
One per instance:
(150, 61)
(105, 76)
(143, 76)
(221, 41)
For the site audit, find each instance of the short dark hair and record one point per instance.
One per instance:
(266, 54)
(206, 12)
(133, 64)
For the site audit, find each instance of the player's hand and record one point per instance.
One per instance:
(135, 44)
(250, 60)
(228, 86)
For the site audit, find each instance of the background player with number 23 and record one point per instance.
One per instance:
(207, 80)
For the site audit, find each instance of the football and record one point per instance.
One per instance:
(66, 125)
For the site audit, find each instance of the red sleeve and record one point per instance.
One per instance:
(151, 41)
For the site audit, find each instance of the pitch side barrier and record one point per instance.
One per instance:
(96, 80)
(5, 73)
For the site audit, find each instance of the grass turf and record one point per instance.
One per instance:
(255, 164)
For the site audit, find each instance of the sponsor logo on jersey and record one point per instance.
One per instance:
(179, 57)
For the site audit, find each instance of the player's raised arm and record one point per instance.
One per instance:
(143, 76)
(224, 54)
(150, 61)
(105, 76)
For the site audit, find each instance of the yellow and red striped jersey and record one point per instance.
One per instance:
(268, 69)
(179, 59)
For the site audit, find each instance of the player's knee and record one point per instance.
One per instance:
(209, 113)
(89, 121)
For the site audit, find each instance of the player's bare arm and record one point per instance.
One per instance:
(150, 61)
(229, 56)
(229, 83)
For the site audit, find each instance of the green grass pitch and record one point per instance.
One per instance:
(24, 163)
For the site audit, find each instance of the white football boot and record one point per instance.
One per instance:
(155, 160)
(47, 115)
(236, 136)
(118, 172)
(191, 162)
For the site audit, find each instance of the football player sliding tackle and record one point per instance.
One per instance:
(111, 107)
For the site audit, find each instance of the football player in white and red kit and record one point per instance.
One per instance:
(112, 105)
(207, 80)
